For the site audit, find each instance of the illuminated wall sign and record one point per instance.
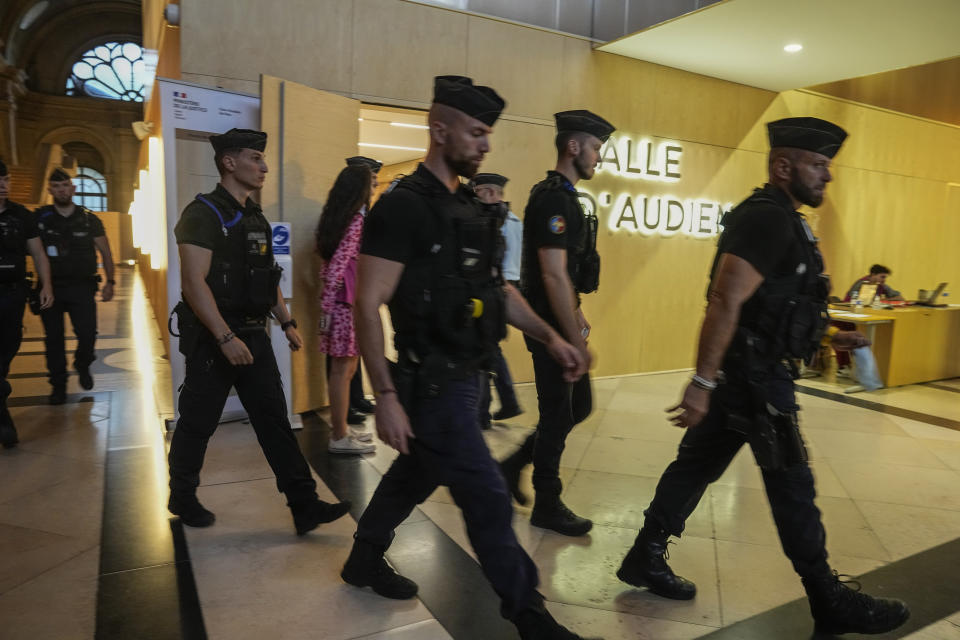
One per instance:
(626, 206)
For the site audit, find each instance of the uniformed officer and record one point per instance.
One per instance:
(72, 236)
(431, 252)
(18, 235)
(560, 263)
(767, 308)
(230, 284)
(489, 189)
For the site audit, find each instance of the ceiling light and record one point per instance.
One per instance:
(389, 146)
(793, 48)
(409, 126)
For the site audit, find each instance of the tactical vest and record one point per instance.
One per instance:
(13, 246)
(451, 301)
(787, 315)
(583, 266)
(243, 276)
(69, 244)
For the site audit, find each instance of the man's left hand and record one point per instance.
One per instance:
(46, 297)
(106, 294)
(574, 362)
(293, 338)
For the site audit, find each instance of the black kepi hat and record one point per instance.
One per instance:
(239, 139)
(476, 101)
(489, 178)
(364, 161)
(812, 134)
(581, 120)
(59, 175)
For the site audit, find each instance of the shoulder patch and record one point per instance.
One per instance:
(558, 224)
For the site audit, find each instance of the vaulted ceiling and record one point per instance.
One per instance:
(45, 37)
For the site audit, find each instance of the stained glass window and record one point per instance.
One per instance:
(114, 70)
(91, 189)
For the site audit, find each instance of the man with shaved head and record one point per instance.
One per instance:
(433, 252)
(766, 309)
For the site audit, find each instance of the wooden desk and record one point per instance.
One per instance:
(911, 344)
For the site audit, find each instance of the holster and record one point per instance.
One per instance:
(774, 438)
(188, 325)
(429, 378)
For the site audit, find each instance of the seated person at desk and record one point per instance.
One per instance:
(878, 276)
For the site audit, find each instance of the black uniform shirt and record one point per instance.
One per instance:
(199, 225)
(764, 234)
(404, 226)
(553, 219)
(15, 221)
(69, 242)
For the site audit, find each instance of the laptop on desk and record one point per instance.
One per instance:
(931, 300)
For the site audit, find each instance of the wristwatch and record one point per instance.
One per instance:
(289, 323)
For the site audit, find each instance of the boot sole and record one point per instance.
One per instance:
(836, 631)
(360, 584)
(645, 584)
(570, 533)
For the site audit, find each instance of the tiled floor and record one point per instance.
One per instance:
(889, 488)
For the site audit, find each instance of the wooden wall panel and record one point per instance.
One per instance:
(319, 130)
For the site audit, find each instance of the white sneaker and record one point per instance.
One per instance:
(349, 444)
(359, 434)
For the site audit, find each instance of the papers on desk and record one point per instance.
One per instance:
(847, 314)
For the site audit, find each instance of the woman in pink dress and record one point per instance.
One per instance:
(338, 243)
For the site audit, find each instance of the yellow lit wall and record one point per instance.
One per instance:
(891, 201)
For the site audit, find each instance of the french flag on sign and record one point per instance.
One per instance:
(179, 94)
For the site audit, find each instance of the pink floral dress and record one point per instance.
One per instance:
(336, 298)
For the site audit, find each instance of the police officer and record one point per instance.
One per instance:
(230, 284)
(489, 189)
(18, 235)
(71, 237)
(431, 252)
(767, 308)
(560, 263)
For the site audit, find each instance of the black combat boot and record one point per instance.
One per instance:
(538, 624)
(8, 432)
(58, 395)
(837, 608)
(190, 510)
(549, 512)
(85, 377)
(646, 566)
(366, 567)
(310, 514)
(511, 468)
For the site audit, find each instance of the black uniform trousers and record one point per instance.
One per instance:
(563, 405)
(705, 452)
(449, 450)
(209, 377)
(78, 299)
(12, 303)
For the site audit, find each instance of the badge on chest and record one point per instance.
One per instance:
(257, 243)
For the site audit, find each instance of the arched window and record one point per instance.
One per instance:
(114, 70)
(91, 189)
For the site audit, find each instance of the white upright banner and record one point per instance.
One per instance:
(189, 114)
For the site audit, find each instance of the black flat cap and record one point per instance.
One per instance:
(581, 120)
(489, 178)
(476, 101)
(239, 139)
(3, 169)
(364, 161)
(59, 175)
(812, 134)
